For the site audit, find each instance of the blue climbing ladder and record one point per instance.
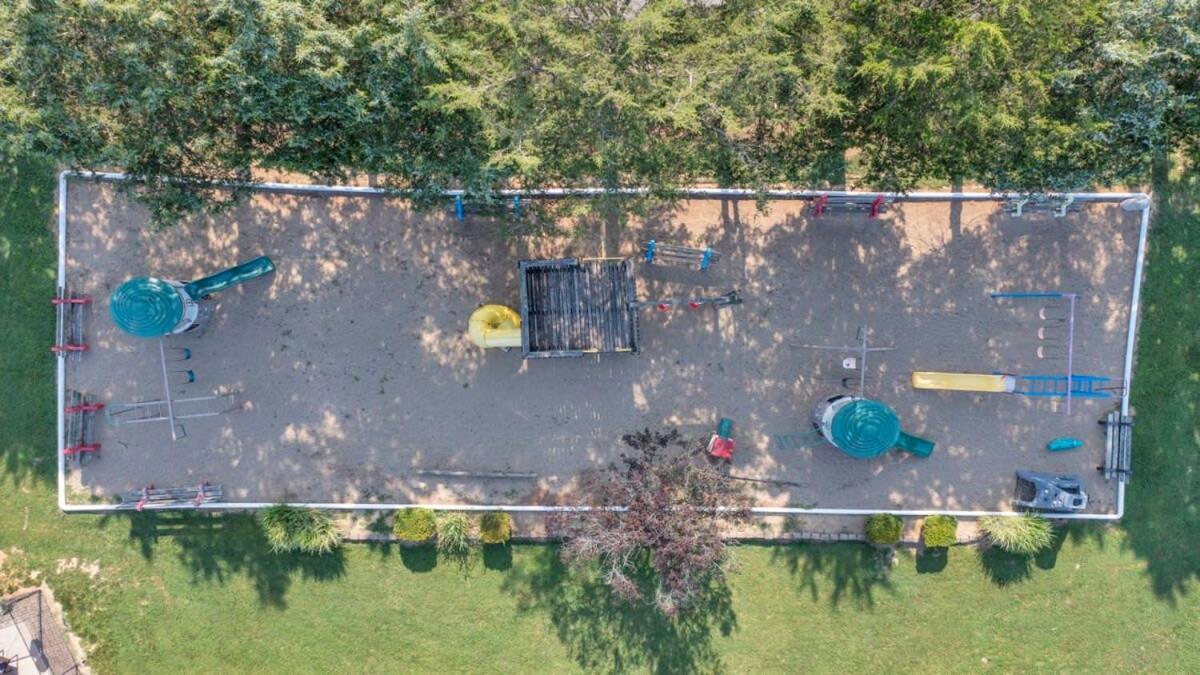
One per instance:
(1082, 386)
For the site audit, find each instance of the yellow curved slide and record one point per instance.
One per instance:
(995, 384)
(495, 326)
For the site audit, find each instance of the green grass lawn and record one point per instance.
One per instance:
(190, 593)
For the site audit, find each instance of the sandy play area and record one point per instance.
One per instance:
(353, 371)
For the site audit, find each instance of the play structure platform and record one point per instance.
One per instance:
(572, 307)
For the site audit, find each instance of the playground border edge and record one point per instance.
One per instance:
(1132, 201)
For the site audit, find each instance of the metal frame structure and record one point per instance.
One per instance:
(863, 349)
(1071, 297)
(1130, 201)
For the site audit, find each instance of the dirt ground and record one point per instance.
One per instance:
(354, 371)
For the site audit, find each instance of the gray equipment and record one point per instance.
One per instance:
(1050, 492)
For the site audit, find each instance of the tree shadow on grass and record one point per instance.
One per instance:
(498, 557)
(218, 547)
(419, 559)
(26, 282)
(847, 570)
(607, 635)
(932, 560)
(1161, 520)
(1004, 568)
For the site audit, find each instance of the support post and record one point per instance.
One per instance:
(877, 206)
(162, 355)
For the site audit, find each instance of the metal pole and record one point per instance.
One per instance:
(1142, 203)
(862, 367)
(162, 358)
(1070, 350)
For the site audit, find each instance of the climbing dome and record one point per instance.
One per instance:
(146, 307)
(860, 427)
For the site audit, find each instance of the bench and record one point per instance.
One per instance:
(680, 255)
(1118, 445)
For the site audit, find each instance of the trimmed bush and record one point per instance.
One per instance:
(454, 535)
(1027, 534)
(495, 528)
(884, 529)
(415, 525)
(290, 528)
(940, 531)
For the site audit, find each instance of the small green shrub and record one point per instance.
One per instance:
(454, 535)
(290, 528)
(415, 525)
(884, 529)
(495, 528)
(940, 531)
(1027, 534)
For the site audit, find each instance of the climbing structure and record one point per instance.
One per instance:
(149, 307)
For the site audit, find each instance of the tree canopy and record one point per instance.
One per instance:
(1016, 94)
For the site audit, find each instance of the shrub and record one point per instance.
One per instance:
(290, 528)
(454, 535)
(1027, 534)
(940, 531)
(495, 528)
(884, 529)
(415, 525)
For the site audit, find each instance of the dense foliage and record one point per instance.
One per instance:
(1021, 95)
(884, 529)
(415, 525)
(454, 535)
(292, 528)
(1027, 534)
(495, 528)
(940, 531)
(667, 542)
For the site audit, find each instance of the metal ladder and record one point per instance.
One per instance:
(194, 407)
(1081, 386)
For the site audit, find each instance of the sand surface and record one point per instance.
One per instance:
(353, 369)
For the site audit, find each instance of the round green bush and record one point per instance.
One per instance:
(415, 525)
(1026, 534)
(940, 531)
(454, 535)
(884, 529)
(290, 528)
(495, 528)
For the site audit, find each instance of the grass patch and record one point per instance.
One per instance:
(181, 591)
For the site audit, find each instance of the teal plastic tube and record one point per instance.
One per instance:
(215, 283)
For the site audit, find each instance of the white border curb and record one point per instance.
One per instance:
(711, 193)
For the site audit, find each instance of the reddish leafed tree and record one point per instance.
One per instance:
(663, 510)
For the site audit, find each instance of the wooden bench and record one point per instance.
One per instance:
(1118, 445)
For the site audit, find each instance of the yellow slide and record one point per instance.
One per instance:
(995, 384)
(495, 326)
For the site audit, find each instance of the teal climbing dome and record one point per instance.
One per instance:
(865, 429)
(146, 307)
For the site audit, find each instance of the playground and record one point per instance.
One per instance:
(347, 373)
